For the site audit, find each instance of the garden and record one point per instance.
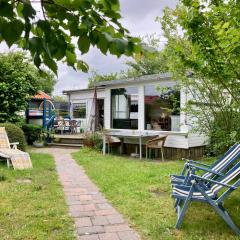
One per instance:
(32, 202)
(141, 191)
(198, 49)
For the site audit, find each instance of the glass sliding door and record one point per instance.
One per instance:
(124, 108)
(162, 108)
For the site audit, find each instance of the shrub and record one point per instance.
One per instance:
(224, 133)
(32, 132)
(15, 134)
(94, 140)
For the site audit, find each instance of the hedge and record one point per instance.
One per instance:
(15, 134)
(32, 132)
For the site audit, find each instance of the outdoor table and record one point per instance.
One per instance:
(128, 134)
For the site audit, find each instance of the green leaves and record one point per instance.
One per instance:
(28, 11)
(81, 65)
(6, 9)
(83, 44)
(102, 44)
(71, 58)
(11, 31)
(50, 63)
(52, 37)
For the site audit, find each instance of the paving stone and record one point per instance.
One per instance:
(128, 235)
(104, 206)
(78, 214)
(89, 237)
(105, 212)
(99, 220)
(89, 207)
(117, 228)
(108, 236)
(94, 216)
(115, 219)
(85, 197)
(76, 207)
(83, 222)
(90, 230)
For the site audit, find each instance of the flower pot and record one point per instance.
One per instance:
(38, 144)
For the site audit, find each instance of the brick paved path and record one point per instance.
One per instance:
(94, 216)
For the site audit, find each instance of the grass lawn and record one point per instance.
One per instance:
(140, 190)
(35, 210)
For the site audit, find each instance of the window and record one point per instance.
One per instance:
(79, 110)
(124, 108)
(162, 108)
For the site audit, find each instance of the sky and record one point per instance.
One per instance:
(138, 17)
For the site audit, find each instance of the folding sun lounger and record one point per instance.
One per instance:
(216, 169)
(18, 159)
(197, 191)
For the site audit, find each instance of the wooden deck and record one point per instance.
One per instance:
(70, 136)
(68, 140)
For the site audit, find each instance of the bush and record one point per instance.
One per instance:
(94, 140)
(32, 132)
(224, 133)
(15, 134)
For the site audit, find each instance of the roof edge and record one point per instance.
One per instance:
(153, 77)
(81, 90)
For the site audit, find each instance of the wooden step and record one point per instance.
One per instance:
(65, 145)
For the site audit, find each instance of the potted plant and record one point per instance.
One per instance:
(87, 141)
(40, 142)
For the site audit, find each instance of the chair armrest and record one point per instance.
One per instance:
(14, 144)
(198, 163)
(212, 181)
(204, 169)
(156, 139)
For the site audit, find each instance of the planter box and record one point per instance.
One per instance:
(38, 144)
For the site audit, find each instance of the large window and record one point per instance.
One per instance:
(162, 108)
(79, 110)
(124, 108)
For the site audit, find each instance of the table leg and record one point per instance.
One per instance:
(104, 145)
(140, 148)
(121, 146)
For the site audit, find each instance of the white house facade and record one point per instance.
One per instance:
(147, 104)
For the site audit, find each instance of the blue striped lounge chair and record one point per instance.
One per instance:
(197, 191)
(217, 168)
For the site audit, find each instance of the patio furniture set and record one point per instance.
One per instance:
(116, 138)
(66, 126)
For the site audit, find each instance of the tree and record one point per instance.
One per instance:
(96, 78)
(19, 80)
(148, 62)
(46, 81)
(60, 98)
(203, 52)
(53, 34)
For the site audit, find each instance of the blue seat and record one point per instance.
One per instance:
(217, 168)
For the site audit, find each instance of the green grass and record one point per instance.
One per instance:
(140, 190)
(35, 210)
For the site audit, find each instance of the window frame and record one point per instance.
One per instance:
(129, 112)
(85, 106)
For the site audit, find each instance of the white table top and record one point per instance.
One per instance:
(133, 134)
